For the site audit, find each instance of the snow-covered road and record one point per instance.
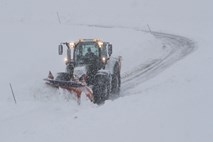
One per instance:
(175, 48)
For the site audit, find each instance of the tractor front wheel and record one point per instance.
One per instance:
(101, 89)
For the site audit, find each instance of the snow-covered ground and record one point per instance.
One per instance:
(167, 79)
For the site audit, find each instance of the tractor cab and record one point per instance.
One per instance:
(93, 54)
(87, 51)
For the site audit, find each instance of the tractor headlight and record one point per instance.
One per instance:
(71, 44)
(100, 44)
(65, 59)
(104, 59)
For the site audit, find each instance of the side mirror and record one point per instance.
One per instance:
(60, 49)
(110, 49)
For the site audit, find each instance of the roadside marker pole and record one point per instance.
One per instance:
(149, 28)
(59, 20)
(13, 93)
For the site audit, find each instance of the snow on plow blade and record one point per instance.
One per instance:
(73, 87)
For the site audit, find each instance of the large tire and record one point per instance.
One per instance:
(101, 89)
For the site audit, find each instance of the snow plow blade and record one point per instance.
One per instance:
(76, 88)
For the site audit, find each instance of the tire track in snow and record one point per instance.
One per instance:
(179, 48)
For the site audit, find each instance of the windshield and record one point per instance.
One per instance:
(82, 49)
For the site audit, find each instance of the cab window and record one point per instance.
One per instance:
(82, 48)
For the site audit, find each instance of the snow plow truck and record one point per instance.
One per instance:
(90, 70)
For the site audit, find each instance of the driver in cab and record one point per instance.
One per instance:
(89, 53)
